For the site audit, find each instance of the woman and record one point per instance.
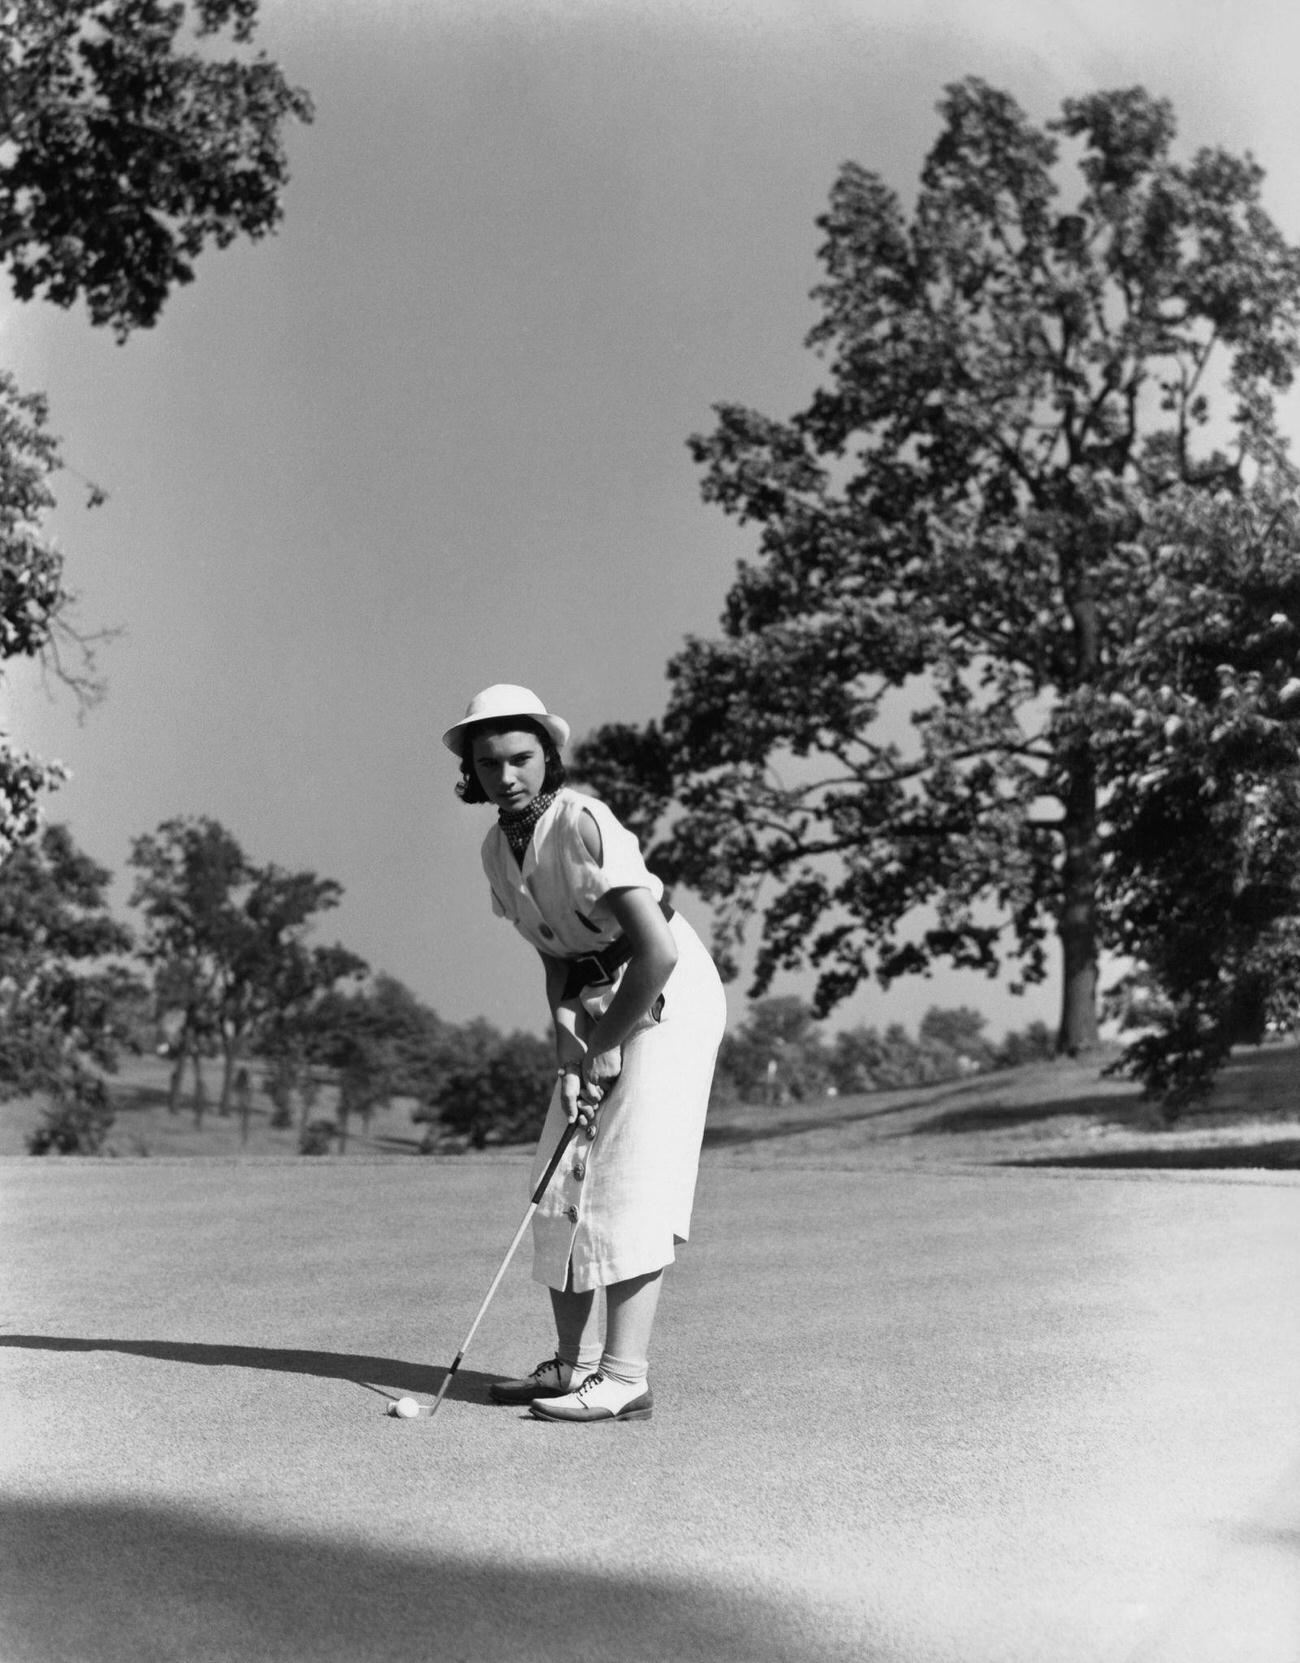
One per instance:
(638, 1014)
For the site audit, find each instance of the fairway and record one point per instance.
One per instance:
(952, 1416)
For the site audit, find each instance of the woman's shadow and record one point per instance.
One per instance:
(385, 1375)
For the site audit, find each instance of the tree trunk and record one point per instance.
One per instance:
(1078, 918)
(244, 1100)
(200, 1090)
(1078, 1031)
(230, 1057)
(178, 1072)
(1080, 867)
(343, 1111)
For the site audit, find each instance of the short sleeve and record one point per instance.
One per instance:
(621, 865)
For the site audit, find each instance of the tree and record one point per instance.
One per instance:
(777, 1052)
(68, 999)
(122, 157)
(303, 996)
(226, 939)
(955, 1039)
(492, 1088)
(189, 874)
(32, 593)
(379, 1040)
(1021, 1046)
(1202, 854)
(272, 974)
(889, 755)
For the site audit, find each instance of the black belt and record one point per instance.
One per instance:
(595, 969)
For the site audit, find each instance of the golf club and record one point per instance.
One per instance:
(566, 1138)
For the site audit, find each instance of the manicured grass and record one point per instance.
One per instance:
(145, 1127)
(943, 1415)
(1066, 1112)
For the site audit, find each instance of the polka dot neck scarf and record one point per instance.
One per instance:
(518, 826)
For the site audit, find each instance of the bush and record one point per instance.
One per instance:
(497, 1091)
(76, 1123)
(317, 1137)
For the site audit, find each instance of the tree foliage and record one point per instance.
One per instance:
(780, 1052)
(776, 1053)
(69, 998)
(470, 1084)
(1202, 854)
(380, 1041)
(889, 755)
(493, 1088)
(226, 940)
(123, 154)
(32, 592)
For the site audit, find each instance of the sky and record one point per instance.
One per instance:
(432, 434)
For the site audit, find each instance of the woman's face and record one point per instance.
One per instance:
(510, 767)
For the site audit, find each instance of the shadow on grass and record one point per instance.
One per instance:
(1275, 1155)
(1099, 1107)
(378, 1372)
(126, 1098)
(118, 1581)
(742, 1123)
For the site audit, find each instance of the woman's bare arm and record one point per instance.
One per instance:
(654, 954)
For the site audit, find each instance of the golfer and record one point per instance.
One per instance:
(638, 1014)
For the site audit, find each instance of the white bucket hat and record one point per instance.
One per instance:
(498, 703)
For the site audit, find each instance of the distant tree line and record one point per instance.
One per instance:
(780, 1052)
(221, 969)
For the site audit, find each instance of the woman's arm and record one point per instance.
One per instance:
(654, 954)
(567, 1015)
(570, 1023)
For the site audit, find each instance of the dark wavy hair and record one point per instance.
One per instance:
(468, 788)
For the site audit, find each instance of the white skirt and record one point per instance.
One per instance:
(621, 1201)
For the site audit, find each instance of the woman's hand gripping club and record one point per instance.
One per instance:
(583, 1086)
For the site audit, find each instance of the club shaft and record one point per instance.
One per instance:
(566, 1138)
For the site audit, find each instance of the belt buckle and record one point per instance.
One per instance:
(601, 976)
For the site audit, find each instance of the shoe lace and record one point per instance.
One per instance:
(592, 1380)
(556, 1363)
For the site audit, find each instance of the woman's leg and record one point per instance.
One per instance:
(620, 1389)
(629, 1321)
(577, 1328)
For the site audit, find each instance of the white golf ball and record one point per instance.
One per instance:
(406, 1408)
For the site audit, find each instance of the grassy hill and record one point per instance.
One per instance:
(1061, 1114)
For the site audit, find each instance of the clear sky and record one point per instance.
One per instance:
(432, 434)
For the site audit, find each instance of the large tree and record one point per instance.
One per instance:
(227, 940)
(1201, 828)
(124, 151)
(69, 998)
(32, 592)
(890, 752)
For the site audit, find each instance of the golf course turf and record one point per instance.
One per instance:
(902, 1413)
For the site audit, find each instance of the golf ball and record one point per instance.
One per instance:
(405, 1407)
